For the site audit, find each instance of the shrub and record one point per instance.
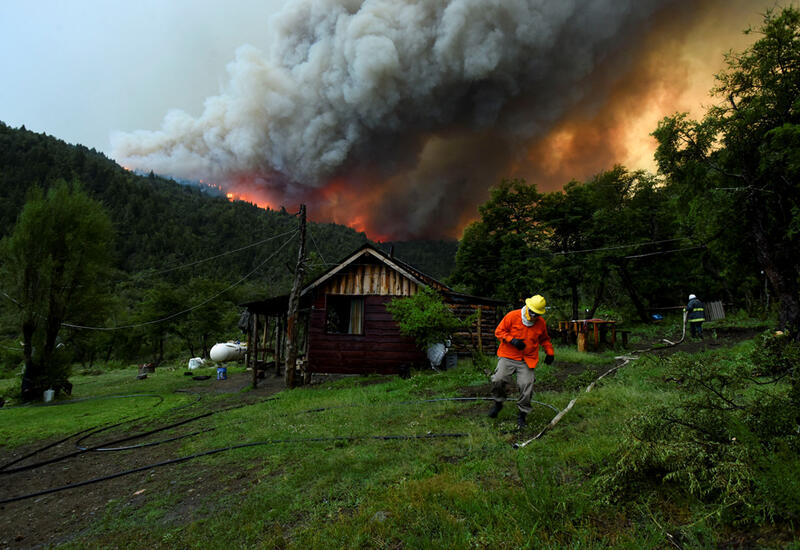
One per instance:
(730, 440)
(425, 317)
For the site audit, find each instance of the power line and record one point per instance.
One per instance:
(617, 247)
(316, 247)
(196, 306)
(219, 255)
(661, 252)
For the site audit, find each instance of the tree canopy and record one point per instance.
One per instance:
(740, 163)
(55, 263)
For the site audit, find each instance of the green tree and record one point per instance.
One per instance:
(567, 244)
(426, 318)
(502, 254)
(201, 327)
(748, 146)
(54, 266)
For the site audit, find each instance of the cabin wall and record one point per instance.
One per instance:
(380, 349)
(369, 278)
(480, 335)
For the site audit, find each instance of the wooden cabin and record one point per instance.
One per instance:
(344, 324)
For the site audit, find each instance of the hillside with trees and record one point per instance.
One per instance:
(721, 219)
(171, 249)
(674, 441)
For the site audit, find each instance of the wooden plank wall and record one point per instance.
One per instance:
(482, 334)
(374, 279)
(381, 349)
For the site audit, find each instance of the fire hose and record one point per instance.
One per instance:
(107, 446)
(626, 360)
(224, 449)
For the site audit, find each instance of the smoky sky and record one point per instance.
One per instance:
(397, 117)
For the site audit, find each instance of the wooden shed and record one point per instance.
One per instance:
(344, 324)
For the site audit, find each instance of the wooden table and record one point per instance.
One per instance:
(594, 328)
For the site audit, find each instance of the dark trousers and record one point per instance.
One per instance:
(697, 329)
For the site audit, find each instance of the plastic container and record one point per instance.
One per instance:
(228, 351)
(48, 395)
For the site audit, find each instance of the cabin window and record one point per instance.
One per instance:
(344, 315)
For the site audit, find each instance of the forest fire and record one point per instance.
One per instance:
(339, 201)
(399, 143)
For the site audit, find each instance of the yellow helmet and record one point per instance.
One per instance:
(536, 304)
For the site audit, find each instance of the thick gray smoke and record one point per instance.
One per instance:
(365, 86)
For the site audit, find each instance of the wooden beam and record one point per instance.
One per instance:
(278, 344)
(254, 351)
(294, 302)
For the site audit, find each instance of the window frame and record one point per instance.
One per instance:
(336, 302)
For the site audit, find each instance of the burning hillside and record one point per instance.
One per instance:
(396, 117)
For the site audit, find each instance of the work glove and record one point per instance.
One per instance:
(517, 343)
(548, 359)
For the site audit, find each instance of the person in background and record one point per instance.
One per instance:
(695, 314)
(521, 333)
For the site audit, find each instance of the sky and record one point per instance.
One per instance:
(392, 117)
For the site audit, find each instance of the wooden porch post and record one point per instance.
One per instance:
(480, 329)
(307, 373)
(294, 303)
(255, 351)
(278, 346)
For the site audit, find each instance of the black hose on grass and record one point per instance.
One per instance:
(414, 402)
(107, 445)
(469, 399)
(37, 451)
(5, 470)
(4, 467)
(229, 448)
(168, 440)
(82, 399)
(143, 434)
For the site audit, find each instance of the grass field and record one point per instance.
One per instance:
(321, 472)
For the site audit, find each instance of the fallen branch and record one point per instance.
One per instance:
(557, 418)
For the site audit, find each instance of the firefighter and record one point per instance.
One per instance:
(695, 314)
(521, 333)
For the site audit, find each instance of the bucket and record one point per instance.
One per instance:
(48, 395)
(581, 341)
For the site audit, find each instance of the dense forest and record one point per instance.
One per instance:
(173, 247)
(719, 219)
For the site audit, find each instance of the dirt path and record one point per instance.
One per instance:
(63, 516)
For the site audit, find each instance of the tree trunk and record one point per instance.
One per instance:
(627, 282)
(599, 290)
(110, 347)
(573, 287)
(294, 302)
(31, 373)
(781, 268)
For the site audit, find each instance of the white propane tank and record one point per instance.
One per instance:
(227, 351)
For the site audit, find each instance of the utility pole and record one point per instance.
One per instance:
(294, 302)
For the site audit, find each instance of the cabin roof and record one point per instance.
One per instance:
(371, 251)
(279, 304)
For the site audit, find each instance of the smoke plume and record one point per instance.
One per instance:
(396, 116)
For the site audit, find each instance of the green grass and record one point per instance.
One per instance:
(106, 398)
(474, 491)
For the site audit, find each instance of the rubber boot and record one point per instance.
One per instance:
(521, 420)
(496, 408)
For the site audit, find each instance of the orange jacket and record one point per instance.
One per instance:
(534, 336)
